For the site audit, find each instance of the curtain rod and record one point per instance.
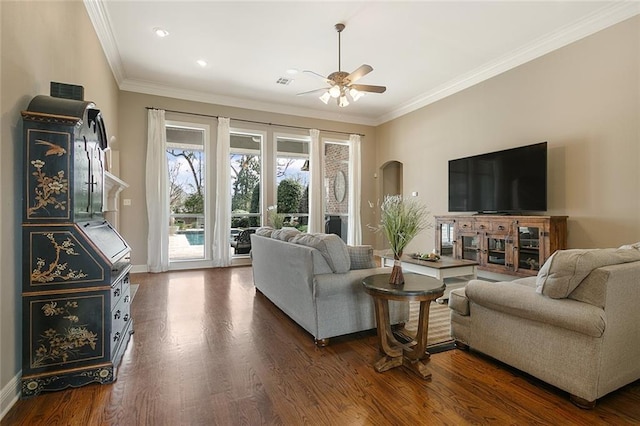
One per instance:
(257, 122)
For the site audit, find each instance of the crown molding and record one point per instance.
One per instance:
(603, 18)
(99, 18)
(151, 88)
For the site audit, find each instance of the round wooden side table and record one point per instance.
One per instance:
(416, 288)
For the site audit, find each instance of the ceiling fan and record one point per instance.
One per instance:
(341, 84)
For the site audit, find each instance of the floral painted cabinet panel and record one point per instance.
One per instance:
(48, 162)
(60, 258)
(75, 274)
(66, 332)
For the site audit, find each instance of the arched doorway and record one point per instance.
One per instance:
(391, 173)
(390, 184)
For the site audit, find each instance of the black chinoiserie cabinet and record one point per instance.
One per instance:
(75, 266)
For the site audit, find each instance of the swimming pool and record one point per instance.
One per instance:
(195, 237)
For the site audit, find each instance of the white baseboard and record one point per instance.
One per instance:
(139, 269)
(10, 394)
(235, 261)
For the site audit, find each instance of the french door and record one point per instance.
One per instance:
(187, 152)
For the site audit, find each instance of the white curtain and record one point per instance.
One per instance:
(316, 222)
(354, 233)
(221, 229)
(157, 192)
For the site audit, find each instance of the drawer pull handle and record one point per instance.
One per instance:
(481, 226)
(116, 336)
(117, 314)
(501, 227)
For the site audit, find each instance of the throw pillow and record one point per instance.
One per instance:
(332, 248)
(565, 269)
(361, 257)
(631, 246)
(264, 231)
(284, 234)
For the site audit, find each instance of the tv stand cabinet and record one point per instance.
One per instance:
(504, 244)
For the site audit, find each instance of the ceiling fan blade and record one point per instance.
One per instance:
(325, 79)
(368, 88)
(359, 73)
(310, 92)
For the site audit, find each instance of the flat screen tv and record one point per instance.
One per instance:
(509, 181)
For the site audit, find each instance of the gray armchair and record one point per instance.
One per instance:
(242, 241)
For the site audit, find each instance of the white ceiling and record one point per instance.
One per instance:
(421, 50)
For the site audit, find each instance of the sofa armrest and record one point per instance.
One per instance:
(522, 301)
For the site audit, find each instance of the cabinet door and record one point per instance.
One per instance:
(82, 179)
(445, 238)
(529, 247)
(48, 172)
(497, 252)
(65, 331)
(97, 180)
(469, 246)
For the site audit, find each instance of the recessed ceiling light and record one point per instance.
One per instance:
(201, 62)
(160, 32)
(292, 71)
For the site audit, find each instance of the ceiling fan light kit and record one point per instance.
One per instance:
(325, 97)
(340, 83)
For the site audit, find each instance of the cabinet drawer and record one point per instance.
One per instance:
(466, 225)
(116, 293)
(482, 226)
(118, 288)
(500, 226)
(120, 316)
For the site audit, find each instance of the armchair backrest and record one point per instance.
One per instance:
(245, 235)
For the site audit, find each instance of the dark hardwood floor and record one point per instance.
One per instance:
(208, 350)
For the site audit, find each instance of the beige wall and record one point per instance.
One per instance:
(132, 143)
(583, 99)
(41, 42)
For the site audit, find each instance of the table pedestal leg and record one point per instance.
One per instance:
(417, 358)
(389, 346)
(394, 354)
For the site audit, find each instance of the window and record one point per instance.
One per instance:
(246, 182)
(292, 180)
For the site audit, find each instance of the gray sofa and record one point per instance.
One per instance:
(575, 325)
(312, 278)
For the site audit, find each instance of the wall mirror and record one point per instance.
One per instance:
(339, 186)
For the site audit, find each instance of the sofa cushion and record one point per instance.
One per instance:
(285, 234)
(265, 231)
(565, 269)
(332, 248)
(361, 257)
